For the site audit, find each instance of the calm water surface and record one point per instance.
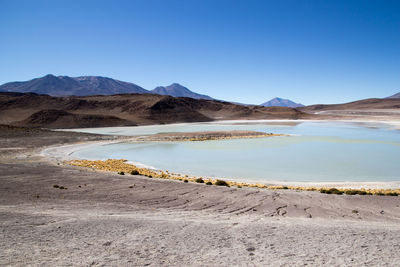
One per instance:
(316, 151)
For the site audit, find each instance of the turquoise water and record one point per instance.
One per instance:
(316, 152)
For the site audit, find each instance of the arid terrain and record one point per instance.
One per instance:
(365, 104)
(384, 109)
(106, 219)
(34, 110)
(199, 133)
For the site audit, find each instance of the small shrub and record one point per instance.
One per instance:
(351, 192)
(209, 183)
(62, 187)
(380, 194)
(357, 192)
(285, 187)
(221, 183)
(332, 191)
(134, 172)
(239, 186)
(121, 173)
(199, 180)
(355, 211)
(185, 181)
(336, 191)
(56, 186)
(394, 194)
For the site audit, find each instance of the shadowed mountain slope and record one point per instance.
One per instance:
(53, 118)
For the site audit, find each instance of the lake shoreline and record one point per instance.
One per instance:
(187, 136)
(62, 154)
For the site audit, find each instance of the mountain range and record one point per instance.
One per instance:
(92, 85)
(280, 102)
(97, 85)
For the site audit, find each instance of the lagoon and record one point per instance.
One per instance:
(315, 151)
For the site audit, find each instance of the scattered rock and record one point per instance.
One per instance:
(108, 243)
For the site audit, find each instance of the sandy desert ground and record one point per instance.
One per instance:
(105, 219)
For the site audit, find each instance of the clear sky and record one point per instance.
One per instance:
(247, 51)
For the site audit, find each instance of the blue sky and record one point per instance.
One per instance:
(246, 51)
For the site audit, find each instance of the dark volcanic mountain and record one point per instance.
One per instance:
(395, 96)
(178, 90)
(79, 86)
(280, 102)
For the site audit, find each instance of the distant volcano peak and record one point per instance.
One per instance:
(178, 90)
(281, 102)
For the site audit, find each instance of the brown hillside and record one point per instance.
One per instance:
(126, 109)
(372, 103)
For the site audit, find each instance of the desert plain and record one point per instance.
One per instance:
(106, 219)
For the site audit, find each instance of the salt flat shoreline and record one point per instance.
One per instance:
(105, 219)
(393, 122)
